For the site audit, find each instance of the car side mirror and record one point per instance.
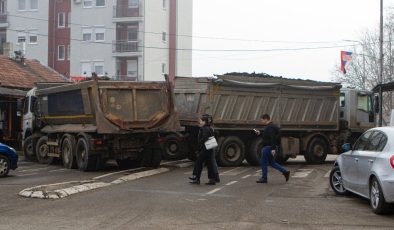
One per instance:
(346, 147)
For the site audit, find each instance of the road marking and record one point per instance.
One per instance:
(301, 173)
(119, 172)
(33, 170)
(327, 174)
(232, 182)
(236, 171)
(29, 174)
(58, 170)
(213, 191)
(244, 177)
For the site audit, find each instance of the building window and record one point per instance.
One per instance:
(133, 3)
(86, 69)
(100, 34)
(164, 4)
(33, 37)
(164, 36)
(61, 53)
(99, 68)
(34, 4)
(86, 34)
(61, 20)
(100, 2)
(21, 37)
(21, 4)
(87, 3)
(68, 52)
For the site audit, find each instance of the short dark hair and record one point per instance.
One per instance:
(265, 116)
(207, 118)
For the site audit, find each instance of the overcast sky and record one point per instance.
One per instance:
(263, 34)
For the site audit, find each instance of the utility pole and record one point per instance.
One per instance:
(380, 79)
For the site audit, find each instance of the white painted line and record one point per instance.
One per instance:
(33, 170)
(139, 175)
(236, 171)
(188, 173)
(184, 165)
(213, 191)
(327, 174)
(302, 173)
(58, 170)
(258, 170)
(29, 174)
(232, 182)
(244, 177)
(119, 172)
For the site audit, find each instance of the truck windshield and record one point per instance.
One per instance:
(364, 103)
(26, 108)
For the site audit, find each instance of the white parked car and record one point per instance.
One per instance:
(367, 169)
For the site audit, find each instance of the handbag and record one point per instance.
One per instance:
(211, 142)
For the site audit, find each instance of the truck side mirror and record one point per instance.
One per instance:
(376, 103)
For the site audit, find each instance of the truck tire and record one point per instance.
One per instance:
(151, 158)
(4, 166)
(254, 154)
(68, 152)
(85, 161)
(280, 157)
(28, 149)
(172, 148)
(231, 152)
(42, 151)
(317, 151)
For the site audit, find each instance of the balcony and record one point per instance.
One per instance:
(126, 14)
(126, 48)
(125, 78)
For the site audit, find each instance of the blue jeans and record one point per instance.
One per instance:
(267, 158)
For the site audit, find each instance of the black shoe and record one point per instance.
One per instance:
(286, 175)
(192, 177)
(194, 182)
(211, 182)
(217, 178)
(261, 181)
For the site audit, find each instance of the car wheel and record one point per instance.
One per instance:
(376, 198)
(4, 166)
(336, 181)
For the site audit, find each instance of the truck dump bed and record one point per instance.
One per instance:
(237, 103)
(108, 107)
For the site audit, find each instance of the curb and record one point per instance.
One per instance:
(45, 192)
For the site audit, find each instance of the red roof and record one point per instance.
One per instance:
(14, 74)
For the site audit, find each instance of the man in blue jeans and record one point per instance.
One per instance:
(271, 141)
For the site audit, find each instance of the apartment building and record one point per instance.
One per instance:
(122, 39)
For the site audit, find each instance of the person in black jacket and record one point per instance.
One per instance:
(271, 142)
(205, 156)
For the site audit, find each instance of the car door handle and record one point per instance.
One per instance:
(370, 161)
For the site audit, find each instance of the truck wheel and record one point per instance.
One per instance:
(172, 148)
(28, 149)
(231, 152)
(42, 151)
(85, 161)
(4, 166)
(317, 151)
(254, 154)
(68, 152)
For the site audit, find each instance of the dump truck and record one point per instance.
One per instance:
(315, 118)
(87, 123)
